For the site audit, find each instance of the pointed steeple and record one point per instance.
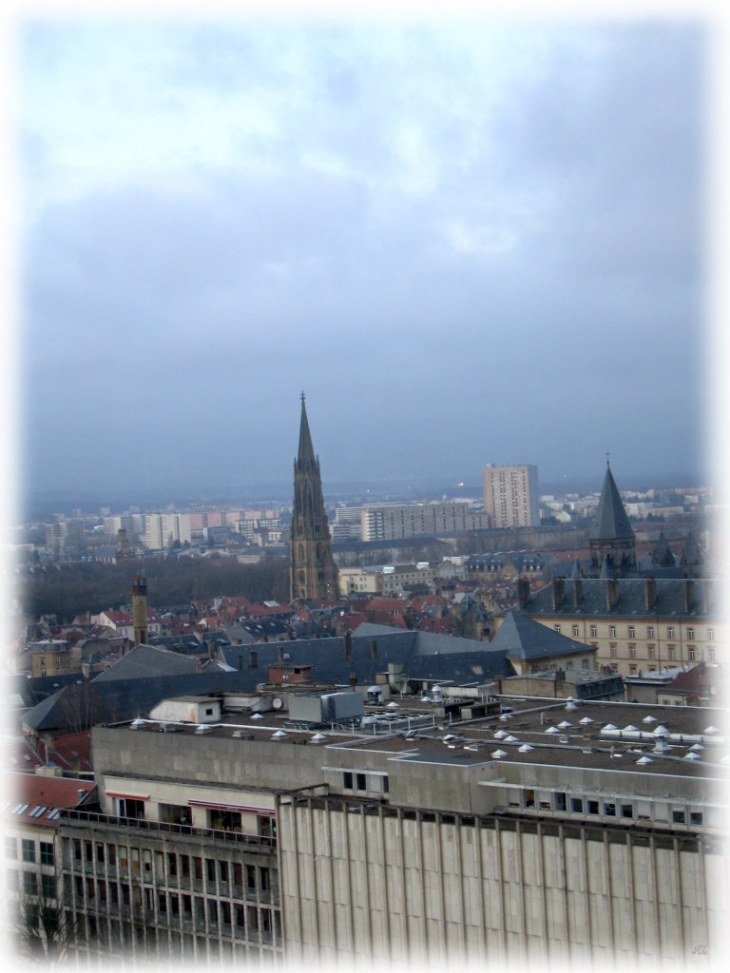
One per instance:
(312, 570)
(612, 536)
(305, 458)
(611, 521)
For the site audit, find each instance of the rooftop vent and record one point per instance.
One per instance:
(498, 754)
(279, 735)
(203, 729)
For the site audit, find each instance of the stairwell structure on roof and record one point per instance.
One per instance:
(612, 540)
(312, 570)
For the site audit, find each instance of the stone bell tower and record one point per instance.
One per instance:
(312, 570)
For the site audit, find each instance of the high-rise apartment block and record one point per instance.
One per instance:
(511, 496)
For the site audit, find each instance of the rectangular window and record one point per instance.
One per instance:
(670, 650)
(678, 817)
(11, 848)
(594, 631)
(575, 631)
(613, 652)
(712, 655)
(48, 886)
(610, 810)
(28, 850)
(650, 650)
(631, 632)
(30, 883)
(612, 631)
(559, 801)
(557, 629)
(710, 635)
(362, 784)
(627, 810)
(46, 853)
(593, 807)
(650, 632)
(576, 805)
(632, 652)
(670, 632)
(691, 653)
(691, 634)
(347, 780)
(695, 817)
(585, 663)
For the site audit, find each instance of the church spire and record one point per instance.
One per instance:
(306, 450)
(313, 573)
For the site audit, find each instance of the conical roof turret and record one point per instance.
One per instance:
(611, 521)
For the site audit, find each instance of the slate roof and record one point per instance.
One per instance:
(148, 660)
(523, 638)
(670, 595)
(611, 521)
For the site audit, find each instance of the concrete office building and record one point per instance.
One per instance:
(397, 521)
(438, 832)
(511, 497)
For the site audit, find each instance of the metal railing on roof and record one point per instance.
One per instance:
(143, 824)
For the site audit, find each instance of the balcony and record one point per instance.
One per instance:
(254, 841)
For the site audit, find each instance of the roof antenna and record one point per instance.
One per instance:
(608, 455)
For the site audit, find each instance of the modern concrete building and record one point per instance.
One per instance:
(511, 497)
(397, 521)
(161, 530)
(471, 828)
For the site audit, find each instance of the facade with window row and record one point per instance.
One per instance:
(636, 625)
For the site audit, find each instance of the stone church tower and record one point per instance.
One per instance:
(312, 570)
(612, 539)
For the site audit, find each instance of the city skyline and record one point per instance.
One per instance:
(467, 246)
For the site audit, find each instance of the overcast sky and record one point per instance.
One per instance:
(466, 243)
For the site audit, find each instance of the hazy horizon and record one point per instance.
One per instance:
(473, 243)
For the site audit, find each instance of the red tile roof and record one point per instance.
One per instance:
(32, 798)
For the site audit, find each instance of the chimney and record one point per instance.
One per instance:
(281, 654)
(649, 593)
(523, 592)
(577, 591)
(689, 594)
(558, 592)
(347, 642)
(613, 591)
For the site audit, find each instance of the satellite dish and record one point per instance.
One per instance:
(277, 703)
